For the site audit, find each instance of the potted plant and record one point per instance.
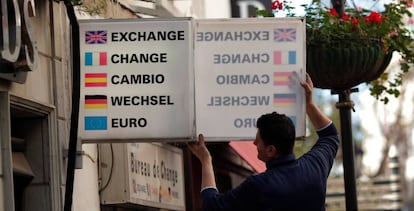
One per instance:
(354, 45)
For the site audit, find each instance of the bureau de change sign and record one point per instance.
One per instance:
(245, 68)
(136, 79)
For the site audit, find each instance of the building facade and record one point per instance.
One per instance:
(35, 109)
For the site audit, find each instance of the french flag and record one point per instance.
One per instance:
(95, 58)
(284, 57)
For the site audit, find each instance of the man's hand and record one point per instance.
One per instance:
(200, 150)
(318, 119)
(308, 87)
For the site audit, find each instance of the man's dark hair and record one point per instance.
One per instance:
(277, 130)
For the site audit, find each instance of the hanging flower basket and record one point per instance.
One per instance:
(335, 66)
(346, 64)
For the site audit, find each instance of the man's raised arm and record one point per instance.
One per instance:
(319, 120)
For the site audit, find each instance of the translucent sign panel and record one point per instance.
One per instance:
(245, 68)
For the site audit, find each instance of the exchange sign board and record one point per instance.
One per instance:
(170, 79)
(245, 68)
(136, 79)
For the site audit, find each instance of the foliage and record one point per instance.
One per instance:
(91, 7)
(325, 26)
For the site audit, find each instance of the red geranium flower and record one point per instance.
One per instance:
(277, 5)
(333, 12)
(373, 17)
(355, 21)
(345, 17)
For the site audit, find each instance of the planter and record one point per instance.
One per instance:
(343, 67)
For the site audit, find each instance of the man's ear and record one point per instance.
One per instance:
(271, 151)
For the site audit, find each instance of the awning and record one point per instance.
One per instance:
(248, 151)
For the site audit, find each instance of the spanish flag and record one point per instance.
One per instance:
(95, 101)
(95, 79)
(284, 78)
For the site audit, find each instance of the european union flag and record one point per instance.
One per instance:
(96, 123)
(293, 118)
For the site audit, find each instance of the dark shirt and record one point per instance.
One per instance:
(287, 184)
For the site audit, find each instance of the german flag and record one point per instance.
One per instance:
(284, 100)
(96, 101)
(95, 80)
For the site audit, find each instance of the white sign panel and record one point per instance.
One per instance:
(245, 68)
(136, 79)
(156, 175)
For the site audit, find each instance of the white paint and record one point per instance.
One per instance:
(86, 187)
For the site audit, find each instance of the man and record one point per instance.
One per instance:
(288, 184)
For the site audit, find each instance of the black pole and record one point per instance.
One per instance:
(70, 172)
(345, 105)
(339, 6)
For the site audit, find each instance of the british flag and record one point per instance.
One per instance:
(284, 35)
(95, 37)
